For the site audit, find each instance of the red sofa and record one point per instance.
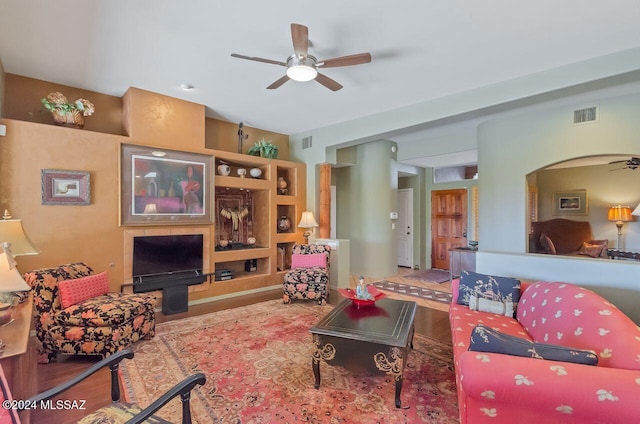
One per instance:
(498, 388)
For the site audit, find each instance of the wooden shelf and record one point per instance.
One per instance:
(241, 254)
(287, 237)
(246, 183)
(286, 200)
(243, 276)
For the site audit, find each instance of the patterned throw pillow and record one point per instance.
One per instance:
(593, 250)
(313, 260)
(487, 293)
(81, 289)
(485, 339)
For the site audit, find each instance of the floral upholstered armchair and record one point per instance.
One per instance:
(74, 313)
(309, 275)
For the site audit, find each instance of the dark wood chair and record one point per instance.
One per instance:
(117, 411)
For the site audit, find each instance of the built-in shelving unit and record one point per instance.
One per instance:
(263, 264)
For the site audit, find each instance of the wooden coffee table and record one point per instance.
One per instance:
(368, 339)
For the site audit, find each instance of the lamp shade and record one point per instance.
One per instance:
(636, 211)
(150, 208)
(619, 213)
(307, 220)
(10, 278)
(11, 231)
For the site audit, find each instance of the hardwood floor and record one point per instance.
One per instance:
(96, 389)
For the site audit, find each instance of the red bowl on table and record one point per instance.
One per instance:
(351, 295)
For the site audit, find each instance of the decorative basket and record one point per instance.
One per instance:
(72, 118)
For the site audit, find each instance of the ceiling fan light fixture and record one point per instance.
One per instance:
(302, 73)
(301, 68)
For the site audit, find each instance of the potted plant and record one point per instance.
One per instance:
(65, 113)
(265, 149)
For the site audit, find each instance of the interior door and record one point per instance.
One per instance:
(405, 227)
(448, 224)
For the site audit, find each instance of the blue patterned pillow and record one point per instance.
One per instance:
(485, 339)
(487, 293)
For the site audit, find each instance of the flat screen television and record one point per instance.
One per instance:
(162, 255)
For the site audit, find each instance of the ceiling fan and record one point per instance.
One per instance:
(632, 163)
(301, 66)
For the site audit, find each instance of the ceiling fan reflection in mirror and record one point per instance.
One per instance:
(632, 164)
(301, 66)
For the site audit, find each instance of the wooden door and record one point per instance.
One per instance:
(448, 224)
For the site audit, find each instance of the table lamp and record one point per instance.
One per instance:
(308, 221)
(10, 281)
(13, 242)
(12, 232)
(619, 214)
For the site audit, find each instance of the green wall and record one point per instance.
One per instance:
(366, 194)
(512, 147)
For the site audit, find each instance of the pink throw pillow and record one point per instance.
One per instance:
(309, 261)
(80, 289)
(593, 250)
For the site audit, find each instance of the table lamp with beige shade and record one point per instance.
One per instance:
(308, 222)
(13, 242)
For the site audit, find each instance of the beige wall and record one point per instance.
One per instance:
(223, 135)
(90, 233)
(2, 77)
(22, 102)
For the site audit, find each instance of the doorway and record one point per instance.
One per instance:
(405, 227)
(448, 224)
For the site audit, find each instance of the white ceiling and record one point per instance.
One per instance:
(421, 50)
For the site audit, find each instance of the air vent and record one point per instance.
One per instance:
(306, 143)
(586, 115)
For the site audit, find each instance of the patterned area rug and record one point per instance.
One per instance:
(421, 292)
(257, 360)
(430, 275)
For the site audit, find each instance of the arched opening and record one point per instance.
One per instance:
(572, 199)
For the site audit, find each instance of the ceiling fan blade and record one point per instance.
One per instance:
(258, 59)
(328, 82)
(278, 83)
(354, 59)
(300, 37)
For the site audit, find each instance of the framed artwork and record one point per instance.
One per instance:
(164, 187)
(570, 202)
(65, 187)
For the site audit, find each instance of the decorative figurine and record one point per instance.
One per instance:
(361, 290)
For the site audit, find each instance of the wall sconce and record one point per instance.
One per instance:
(308, 221)
(619, 214)
(636, 211)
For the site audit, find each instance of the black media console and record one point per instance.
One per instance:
(174, 286)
